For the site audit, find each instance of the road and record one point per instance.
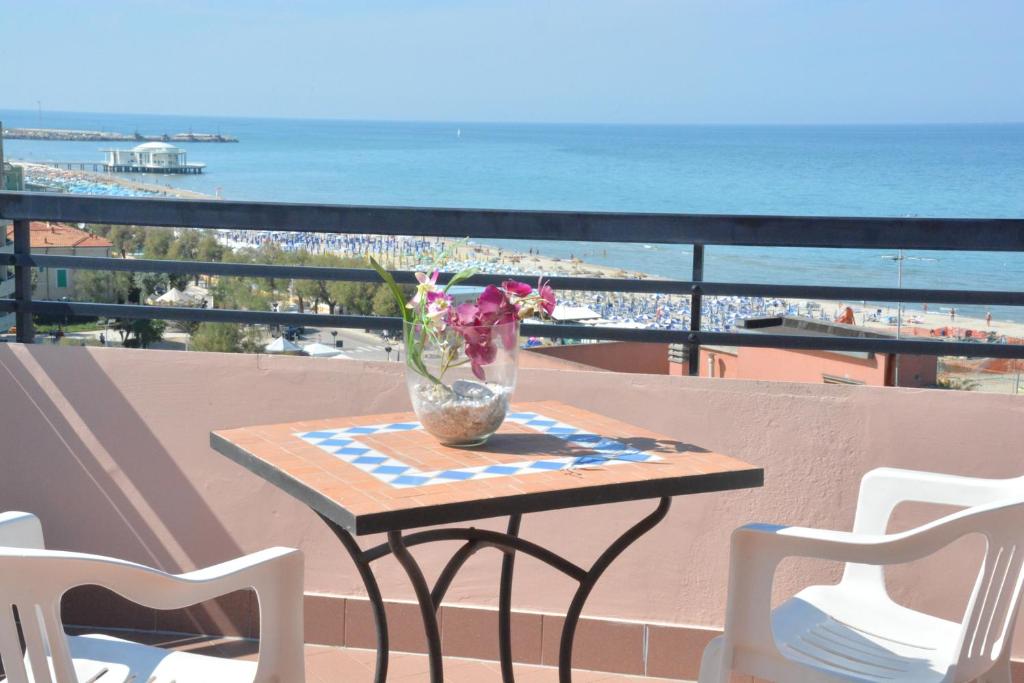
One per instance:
(356, 344)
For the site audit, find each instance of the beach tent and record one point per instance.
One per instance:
(564, 313)
(318, 350)
(174, 297)
(281, 345)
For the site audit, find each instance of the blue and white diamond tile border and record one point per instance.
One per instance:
(345, 445)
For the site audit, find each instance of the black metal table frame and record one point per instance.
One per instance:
(509, 543)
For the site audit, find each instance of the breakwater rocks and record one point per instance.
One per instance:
(104, 136)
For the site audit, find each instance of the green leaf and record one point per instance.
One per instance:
(393, 286)
(460, 276)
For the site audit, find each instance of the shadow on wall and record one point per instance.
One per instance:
(88, 435)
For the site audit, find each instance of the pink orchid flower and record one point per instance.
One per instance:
(518, 288)
(427, 283)
(547, 297)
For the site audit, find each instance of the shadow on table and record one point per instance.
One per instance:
(545, 445)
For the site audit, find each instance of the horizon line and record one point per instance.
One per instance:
(651, 124)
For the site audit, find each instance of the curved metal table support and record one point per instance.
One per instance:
(509, 543)
(572, 617)
(380, 618)
(505, 605)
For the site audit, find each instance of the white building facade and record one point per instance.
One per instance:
(150, 157)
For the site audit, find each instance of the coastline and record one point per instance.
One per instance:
(916, 322)
(99, 183)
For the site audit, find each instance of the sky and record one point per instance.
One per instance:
(591, 61)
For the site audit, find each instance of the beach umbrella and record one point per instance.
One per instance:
(281, 345)
(318, 350)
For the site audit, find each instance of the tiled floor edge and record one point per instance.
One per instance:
(660, 650)
(652, 649)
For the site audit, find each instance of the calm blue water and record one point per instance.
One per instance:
(956, 170)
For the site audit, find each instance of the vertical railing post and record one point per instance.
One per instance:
(697, 276)
(23, 281)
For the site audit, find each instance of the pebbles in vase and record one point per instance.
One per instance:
(465, 413)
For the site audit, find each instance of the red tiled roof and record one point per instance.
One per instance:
(47, 235)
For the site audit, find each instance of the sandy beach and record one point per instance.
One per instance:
(646, 310)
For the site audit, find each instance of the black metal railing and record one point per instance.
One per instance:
(959, 234)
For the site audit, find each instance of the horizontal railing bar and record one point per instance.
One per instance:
(780, 341)
(594, 284)
(802, 342)
(965, 234)
(135, 311)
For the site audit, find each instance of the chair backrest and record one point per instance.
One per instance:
(20, 530)
(881, 493)
(989, 620)
(37, 602)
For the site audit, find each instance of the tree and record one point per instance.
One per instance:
(151, 283)
(106, 287)
(210, 249)
(140, 334)
(184, 248)
(158, 243)
(189, 327)
(384, 302)
(127, 239)
(218, 337)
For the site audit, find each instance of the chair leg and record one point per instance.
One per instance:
(1000, 673)
(713, 667)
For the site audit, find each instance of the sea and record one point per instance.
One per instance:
(823, 170)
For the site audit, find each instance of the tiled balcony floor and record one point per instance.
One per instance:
(349, 665)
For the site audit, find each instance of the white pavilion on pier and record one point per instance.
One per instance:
(150, 157)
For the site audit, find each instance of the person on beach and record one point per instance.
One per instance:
(952, 314)
(988, 318)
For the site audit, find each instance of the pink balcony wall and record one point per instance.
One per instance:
(110, 448)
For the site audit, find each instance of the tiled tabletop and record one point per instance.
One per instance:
(383, 472)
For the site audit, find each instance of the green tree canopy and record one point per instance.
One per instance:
(218, 337)
(140, 334)
(157, 244)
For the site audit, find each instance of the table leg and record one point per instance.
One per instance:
(505, 604)
(426, 603)
(572, 617)
(380, 619)
(476, 539)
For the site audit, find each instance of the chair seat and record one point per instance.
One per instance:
(864, 637)
(104, 659)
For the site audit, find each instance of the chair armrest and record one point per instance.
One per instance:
(757, 550)
(275, 574)
(882, 489)
(240, 573)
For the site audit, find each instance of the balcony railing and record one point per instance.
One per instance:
(700, 231)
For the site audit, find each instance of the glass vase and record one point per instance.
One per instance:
(461, 399)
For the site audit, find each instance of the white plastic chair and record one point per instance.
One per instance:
(853, 631)
(33, 580)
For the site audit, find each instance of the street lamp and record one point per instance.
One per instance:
(899, 258)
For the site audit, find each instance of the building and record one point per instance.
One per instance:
(829, 367)
(58, 239)
(11, 178)
(150, 157)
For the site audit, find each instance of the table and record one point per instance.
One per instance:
(384, 474)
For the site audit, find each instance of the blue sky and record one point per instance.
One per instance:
(615, 61)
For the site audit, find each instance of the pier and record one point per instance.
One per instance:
(103, 136)
(102, 167)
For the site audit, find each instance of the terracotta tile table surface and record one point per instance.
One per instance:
(383, 473)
